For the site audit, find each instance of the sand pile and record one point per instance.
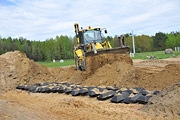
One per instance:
(102, 67)
(110, 74)
(97, 61)
(167, 103)
(15, 68)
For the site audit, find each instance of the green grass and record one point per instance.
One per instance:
(157, 54)
(58, 64)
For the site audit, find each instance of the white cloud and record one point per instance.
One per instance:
(41, 19)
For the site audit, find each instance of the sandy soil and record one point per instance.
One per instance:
(113, 70)
(66, 107)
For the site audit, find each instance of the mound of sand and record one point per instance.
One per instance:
(110, 74)
(101, 70)
(15, 68)
(167, 103)
(98, 61)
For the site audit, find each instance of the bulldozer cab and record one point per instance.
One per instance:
(91, 36)
(88, 36)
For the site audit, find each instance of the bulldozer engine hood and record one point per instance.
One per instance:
(98, 46)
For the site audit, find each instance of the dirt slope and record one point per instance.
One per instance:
(167, 103)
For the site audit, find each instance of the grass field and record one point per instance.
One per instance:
(157, 54)
(58, 64)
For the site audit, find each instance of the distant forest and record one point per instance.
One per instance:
(62, 46)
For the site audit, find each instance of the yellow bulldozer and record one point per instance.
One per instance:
(90, 42)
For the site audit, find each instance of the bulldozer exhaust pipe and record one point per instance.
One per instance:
(121, 41)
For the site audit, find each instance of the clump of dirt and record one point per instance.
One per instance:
(166, 104)
(15, 68)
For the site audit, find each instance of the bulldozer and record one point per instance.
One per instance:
(90, 42)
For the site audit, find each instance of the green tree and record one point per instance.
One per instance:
(142, 43)
(159, 41)
(171, 41)
(178, 40)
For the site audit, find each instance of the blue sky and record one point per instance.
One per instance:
(42, 19)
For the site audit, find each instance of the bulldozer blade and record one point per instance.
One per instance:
(118, 50)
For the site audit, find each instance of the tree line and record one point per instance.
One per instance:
(144, 43)
(61, 47)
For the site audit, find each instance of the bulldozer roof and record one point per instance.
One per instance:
(89, 29)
